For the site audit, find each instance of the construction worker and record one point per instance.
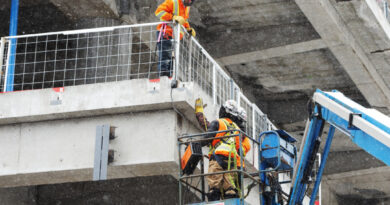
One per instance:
(177, 10)
(231, 117)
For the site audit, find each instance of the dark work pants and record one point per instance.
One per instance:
(164, 56)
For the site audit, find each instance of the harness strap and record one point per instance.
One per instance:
(162, 32)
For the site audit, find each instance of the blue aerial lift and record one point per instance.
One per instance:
(367, 128)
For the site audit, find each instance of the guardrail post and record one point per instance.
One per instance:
(2, 45)
(231, 89)
(176, 28)
(253, 121)
(239, 97)
(9, 80)
(190, 60)
(214, 84)
(7, 67)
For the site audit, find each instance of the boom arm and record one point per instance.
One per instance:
(367, 128)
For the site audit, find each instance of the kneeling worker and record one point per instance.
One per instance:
(231, 117)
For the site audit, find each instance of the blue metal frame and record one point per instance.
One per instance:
(299, 188)
(322, 165)
(12, 32)
(362, 139)
(263, 166)
(235, 201)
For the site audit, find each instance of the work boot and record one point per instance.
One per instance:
(230, 194)
(214, 195)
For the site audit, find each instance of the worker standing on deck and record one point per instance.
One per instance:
(177, 10)
(231, 117)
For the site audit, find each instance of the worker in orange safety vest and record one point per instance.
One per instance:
(179, 11)
(232, 118)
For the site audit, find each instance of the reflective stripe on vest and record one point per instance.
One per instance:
(176, 7)
(225, 144)
(223, 125)
(161, 14)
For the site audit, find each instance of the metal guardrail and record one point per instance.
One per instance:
(80, 57)
(196, 65)
(200, 187)
(109, 54)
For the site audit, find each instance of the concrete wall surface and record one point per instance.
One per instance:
(43, 138)
(64, 145)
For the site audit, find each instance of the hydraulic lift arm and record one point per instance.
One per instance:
(367, 128)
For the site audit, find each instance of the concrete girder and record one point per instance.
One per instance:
(361, 182)
(46, 143)
(367, 186)
(273, 52)
(347, 50)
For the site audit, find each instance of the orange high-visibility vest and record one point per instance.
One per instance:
(171, 8)
(223, 147)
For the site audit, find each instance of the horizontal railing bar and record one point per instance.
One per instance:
(91, 30)
(213, 138)
(207, 133)
(222, 172)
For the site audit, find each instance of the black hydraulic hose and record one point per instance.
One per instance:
(309, 168)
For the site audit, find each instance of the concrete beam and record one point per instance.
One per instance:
(92, 100)
(273, 52)
(368, 183)
(51, 139)
(347, 50)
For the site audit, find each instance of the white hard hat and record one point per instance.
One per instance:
(231, 107)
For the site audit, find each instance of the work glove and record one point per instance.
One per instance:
(199, 105)
(179, 19)
(191, 31)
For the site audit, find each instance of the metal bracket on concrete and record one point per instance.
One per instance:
(103, 135)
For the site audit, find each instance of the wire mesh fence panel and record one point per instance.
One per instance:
(223, 85)
(85, 57)
(261, 123)
(195, 66)
(236, 93)
(186, 62)
(247, 106)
